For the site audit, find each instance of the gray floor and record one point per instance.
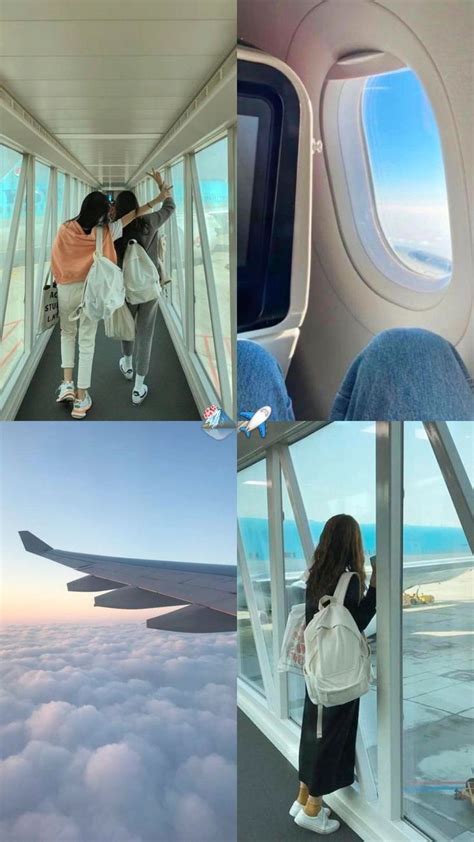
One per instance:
(265, 791)
(169, 397)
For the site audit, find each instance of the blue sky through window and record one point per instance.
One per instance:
(407, 168)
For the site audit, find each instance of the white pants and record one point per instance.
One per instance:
(69, 296)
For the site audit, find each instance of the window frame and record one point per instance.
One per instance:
(359, 181)
(34, 342)
(182, 326)
(373, 814)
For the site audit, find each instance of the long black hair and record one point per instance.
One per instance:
(125, 202)
(94, 210)
(340, 548)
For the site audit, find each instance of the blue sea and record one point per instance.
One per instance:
(435, 541)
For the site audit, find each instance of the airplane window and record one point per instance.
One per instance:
(253, 521)
(406, 164)
(267, 153)
(437, 644)
(13, 335)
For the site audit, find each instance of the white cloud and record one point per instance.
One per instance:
(117, 733)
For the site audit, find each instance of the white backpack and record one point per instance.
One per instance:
(337, 655)
(140, 275)
(104, 291)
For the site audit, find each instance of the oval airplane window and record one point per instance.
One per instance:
(394, 173)
(407, 170)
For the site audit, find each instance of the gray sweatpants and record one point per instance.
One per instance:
(145, 317)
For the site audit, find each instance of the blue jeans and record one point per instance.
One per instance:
(260, 382)
(406, 374)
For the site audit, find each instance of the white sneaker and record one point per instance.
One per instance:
(318, 824)
(127, 372)
(139, 396)
(66, 391)
(296, 807)
(80, 408)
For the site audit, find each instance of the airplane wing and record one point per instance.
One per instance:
(204, 594)
(262, 429)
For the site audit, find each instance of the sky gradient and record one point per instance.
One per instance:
(148, 490)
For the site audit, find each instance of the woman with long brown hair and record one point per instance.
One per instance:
(327, 763)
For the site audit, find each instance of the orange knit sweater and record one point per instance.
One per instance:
(73, 252)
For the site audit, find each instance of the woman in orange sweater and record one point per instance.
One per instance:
(71, 258)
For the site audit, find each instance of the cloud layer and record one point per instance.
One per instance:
(119, 734)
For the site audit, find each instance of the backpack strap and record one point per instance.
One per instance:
(319, 723)
(99, 241)
(342, 585)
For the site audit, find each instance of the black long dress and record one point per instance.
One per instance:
(327, 764)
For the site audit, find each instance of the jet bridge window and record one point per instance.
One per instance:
(437, 641)
(268, 131)
(381, 134)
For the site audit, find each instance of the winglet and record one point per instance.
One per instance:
(35, 545)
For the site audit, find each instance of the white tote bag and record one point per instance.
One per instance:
(120, 325)
(292, 650)
(103, 291)
(140, 275)
(49, 312)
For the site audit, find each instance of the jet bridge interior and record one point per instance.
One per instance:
(93, 96)
(410, 488)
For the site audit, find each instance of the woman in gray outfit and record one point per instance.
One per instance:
(145, 231)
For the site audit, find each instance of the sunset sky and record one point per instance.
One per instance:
(156, 490)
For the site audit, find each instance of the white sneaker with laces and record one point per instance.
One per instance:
(138, 396)
(127, 372)
(318, 824)
(296, 807)
(66, 391)
(81, 407)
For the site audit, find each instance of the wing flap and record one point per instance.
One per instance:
(195, 619)
(88, 584)
(135, 598)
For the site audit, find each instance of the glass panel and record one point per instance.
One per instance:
(12, 343)
(42, 177)
(406, 162)
(60, 187)
(461, 432)
(10, 169)
(203, 334)
(253, 519)
(335, 470)
(176, 242)
(438, 656)
(212, 170)
(248, 667)
(295, 568)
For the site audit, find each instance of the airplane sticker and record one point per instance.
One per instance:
(216, 423)
(255, 421)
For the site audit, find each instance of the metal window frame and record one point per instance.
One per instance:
(12, 240)
(454, 475)
(389, 543)
(19, 378)
(277, 574)
(258, 638)
(217, 333)
(182, 325)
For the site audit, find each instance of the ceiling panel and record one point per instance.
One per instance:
(118, 73)
(113, 10)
